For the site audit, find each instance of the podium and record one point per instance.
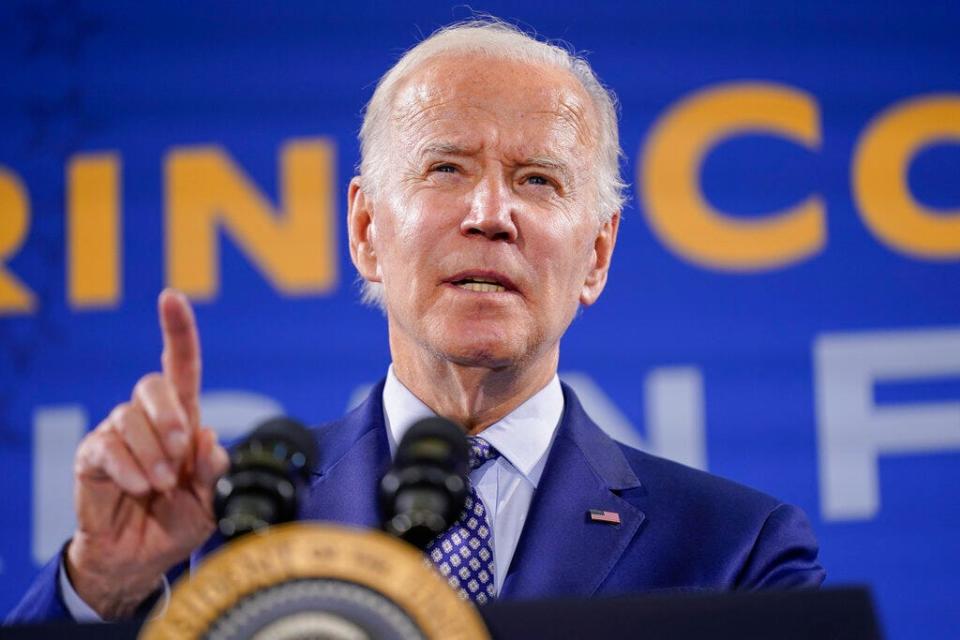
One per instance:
(846, 613)
(312, 580)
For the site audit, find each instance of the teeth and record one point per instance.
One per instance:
(481, 287)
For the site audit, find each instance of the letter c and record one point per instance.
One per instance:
(880, 186)
(670, 168)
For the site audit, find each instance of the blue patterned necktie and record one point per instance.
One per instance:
(463, 554)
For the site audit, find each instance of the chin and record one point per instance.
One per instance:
(481, 360)
(489, 352)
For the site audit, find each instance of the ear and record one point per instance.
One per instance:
(362, 232)
(596, 278)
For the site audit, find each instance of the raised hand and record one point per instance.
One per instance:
(144, 478)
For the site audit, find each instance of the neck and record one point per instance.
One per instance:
(472, 396)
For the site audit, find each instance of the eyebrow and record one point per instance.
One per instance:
(448, 148)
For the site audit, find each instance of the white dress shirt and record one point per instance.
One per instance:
(505, 485)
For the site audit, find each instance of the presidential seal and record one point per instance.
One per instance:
(305, 581)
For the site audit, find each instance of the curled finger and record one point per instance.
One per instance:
(212, 460)
(105, 455)
(155, 395)
(131, 424)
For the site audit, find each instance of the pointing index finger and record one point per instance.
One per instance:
(181, 351)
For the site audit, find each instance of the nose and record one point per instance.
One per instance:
(492, 209)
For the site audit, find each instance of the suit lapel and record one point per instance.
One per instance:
(354, 455)
(561, 551)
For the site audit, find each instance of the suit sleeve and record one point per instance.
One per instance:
(43, 601)
(784, 554)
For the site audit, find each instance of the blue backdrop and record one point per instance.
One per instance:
(784, 304)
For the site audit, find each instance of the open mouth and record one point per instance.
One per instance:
(485, 283)
(480, 285)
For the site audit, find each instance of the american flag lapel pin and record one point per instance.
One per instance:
(598, 515)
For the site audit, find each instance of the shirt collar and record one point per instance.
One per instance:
(523, 437)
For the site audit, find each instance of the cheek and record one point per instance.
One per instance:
(564, 253)
(413, 218)
(407, 245)
(396, 231)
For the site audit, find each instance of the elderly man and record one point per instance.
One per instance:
(485, 215)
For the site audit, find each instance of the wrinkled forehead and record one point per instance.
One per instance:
(531, 105)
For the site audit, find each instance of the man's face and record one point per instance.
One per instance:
(485, 232)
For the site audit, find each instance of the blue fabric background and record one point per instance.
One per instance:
(140, 79)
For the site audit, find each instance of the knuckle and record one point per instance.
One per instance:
(81, 464)
(166, 421)
(83, 458)
(148, 385)
(90, 453)
(156, 398)
(122, 418)
(103, 427)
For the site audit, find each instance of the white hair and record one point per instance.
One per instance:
(492, 37)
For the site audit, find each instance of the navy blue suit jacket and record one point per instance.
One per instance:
(680, 529)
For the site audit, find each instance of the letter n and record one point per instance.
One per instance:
(294, 248)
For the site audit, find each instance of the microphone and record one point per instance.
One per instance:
(269, 471)
(426, 488)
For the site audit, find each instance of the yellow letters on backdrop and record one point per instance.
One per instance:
(94, 250)
(295, 248)
(670, 177)
(14, 224)
(880, 186)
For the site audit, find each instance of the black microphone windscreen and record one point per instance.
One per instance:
(297, 438)
(269, 471)
(435, 441)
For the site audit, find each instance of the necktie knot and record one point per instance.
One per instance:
(480, 451)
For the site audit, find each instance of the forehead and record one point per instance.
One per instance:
(479, 101)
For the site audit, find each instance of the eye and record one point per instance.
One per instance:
(445, 168)
(538, 181)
